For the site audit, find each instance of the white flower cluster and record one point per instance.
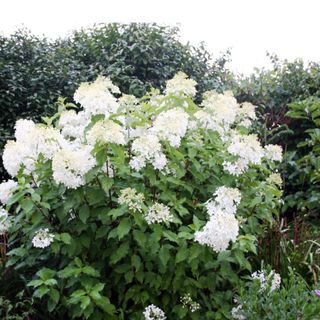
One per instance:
(131, 198)
(171, 126)
(275, 178)
(271, 281)
(31, 141)
(248, 151)
(42, 238)
(70, 166)
(147, 148)
(158, 213)
(153, 312)
(226, 199)
(273, 152)
(106, 131)
(73, 124)
(4, 221)
(222, 226)
(97, 98)
(188, 303)
(246, 114)
(6, 190)
(237, 313)
(181, 85)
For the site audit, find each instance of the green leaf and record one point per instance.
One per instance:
(136, 262)
(84, 213)
(105, 305)
(65, 238)
(85, 301)
(123, 228)
(27, 205)
(182, 254)
(120, 253)
(164, 255)
(106, 183)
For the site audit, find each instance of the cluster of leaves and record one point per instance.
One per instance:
(293, 301)
(34, 71)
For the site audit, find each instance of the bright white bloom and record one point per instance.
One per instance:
(223, 108)
(188, 303)
(42, 238)
(128, 103)
(180, 84)
(4, 221)
(226, 199)
(70, 166)
(6, 190)
(248, 150)
(131, 198)
(272, 280)
(106, 131)
(273, 152)
(153, 313)
(275, 178)
(158, 213)
(246, 113)
(97, 98)
(171, 126)
(237, 313)
(147, 148)
(219, 231)
(73, 124)
(25, 151)
(22, 128)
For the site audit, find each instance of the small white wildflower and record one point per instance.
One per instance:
(158, 213)
(273, 152)
(131, 198)
(275, 178)
(272, 280)
(4, 221)
(42, 238)
(6, 190)
(180, 84)
(188, 303)
(153, 313)
(237, 313)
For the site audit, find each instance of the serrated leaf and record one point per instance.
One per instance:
(123, 228)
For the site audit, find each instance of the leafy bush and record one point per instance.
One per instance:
(257, 299)
(34, 71)
(132, 207)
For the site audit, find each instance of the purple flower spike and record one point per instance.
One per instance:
(317, 292)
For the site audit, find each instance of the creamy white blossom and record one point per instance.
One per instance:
(181, 85)
(221, 229)
(6, 190)
(42, 238)
(237, 313)
(97, 97)
(4, 221)
(73, 124)
(158, 213)
(271, 281)
(153, 312)
(70, 166)
(246, 114)
(131, 198)
(22, 128)
(171, 126)
(147, 148)
(26, 150)
(275, 178)
(106, 131)
(188, 303)
(226, 199)
(273, 152)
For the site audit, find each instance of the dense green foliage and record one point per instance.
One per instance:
(35, 71)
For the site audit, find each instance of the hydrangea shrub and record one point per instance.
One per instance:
(127, 208)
